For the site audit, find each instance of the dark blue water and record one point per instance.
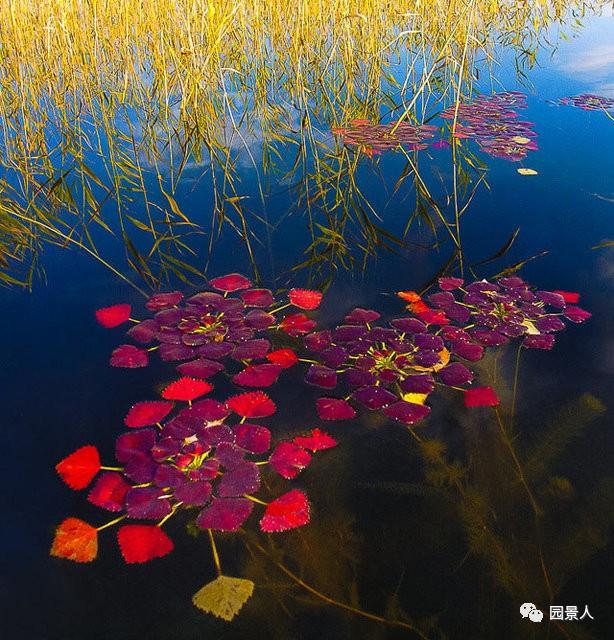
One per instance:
(384, 537)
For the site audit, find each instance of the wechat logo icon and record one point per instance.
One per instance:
(529, 610)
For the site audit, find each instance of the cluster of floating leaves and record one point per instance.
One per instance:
(205, 331)
(493, 122)
(394, 368)
(374, 138)
(588, 102)
(202, 456)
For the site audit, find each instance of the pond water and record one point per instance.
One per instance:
(448, 527)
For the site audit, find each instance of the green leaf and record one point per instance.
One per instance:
(224, 597)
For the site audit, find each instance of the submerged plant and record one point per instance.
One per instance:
(208, 328)
(395, 368)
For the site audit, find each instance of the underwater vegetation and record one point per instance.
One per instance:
(206, 456)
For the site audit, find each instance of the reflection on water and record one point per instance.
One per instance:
(357, 149)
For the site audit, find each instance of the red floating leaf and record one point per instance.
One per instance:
(449, 284)
(481, 397)
(297, 324)
(576, 314)
(201, 368)
(230, 282)
(164, 300)
(316, 441)
(257, 298)
(287, 512)
(79, 468)
(289, 459)
(305, 298)
(144, 414)
(110, 317)
(334, 409)
(569, 296)
(75, 540)
(142, 543)
(186, 389)
(255, 404)
(109, 491)
(129, 357)
(430, 316)
(285, 358)
(258, 375)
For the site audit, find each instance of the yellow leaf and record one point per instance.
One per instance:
(526, 172)
(532, 330)
(416, 398)
(521, 140)
(224, 597)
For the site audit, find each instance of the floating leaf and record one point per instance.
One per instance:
(224, 597)
(334, 409)
(576, 314)
(285, 358)
(320, 376)
(111, 317)
(258, 375)
(305, 298)
(161, 301)
(252, 437)
(297, 324)
(315, 441)
(254, 404)
(144, 414)
(407, 412)
(289, 460)
(257, 298)
(243, 479)
(75, 540)
(147, 503)
(186, 389)
(520, 139)
(200, 368)
(79, 468)
(225, 514)
(142, 543)
(286, 512)
(481, 397)
(569, 296)
(523, 171)
(109, 491)
(374, 397)
(449, 284)
(129, 357)
(231, 282)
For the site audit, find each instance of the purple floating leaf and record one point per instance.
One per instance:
(547, 324)
(176, 352)
(229, 455)
(167, 476)
(539, 341)
(193, 494)
(422, 383)
(164, 448)
(467, 350)
(441, 300)
(252, 349)
(334, 409)
(576, 314)
(144, 332)
(134, 443)
(359, 378)
(207, 470)
(427, 358)
(215, 435)
(407, 412)
(242, 479)
(208, 410)
(200, 368)
(455, 374)
(225, 514)
(458, 312)
(206, 299)
(408, 325)
(169, 319)
(362, 316)
(488, 337)
(320, 376)
(334, 356)
(147, 503)
(260, 320)
(318, 341)
(551, 298)
(252, 437)
(215, 350)
(140, 468)
(428, 341)
(374, 397)
(512, 329)
(349, 333)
